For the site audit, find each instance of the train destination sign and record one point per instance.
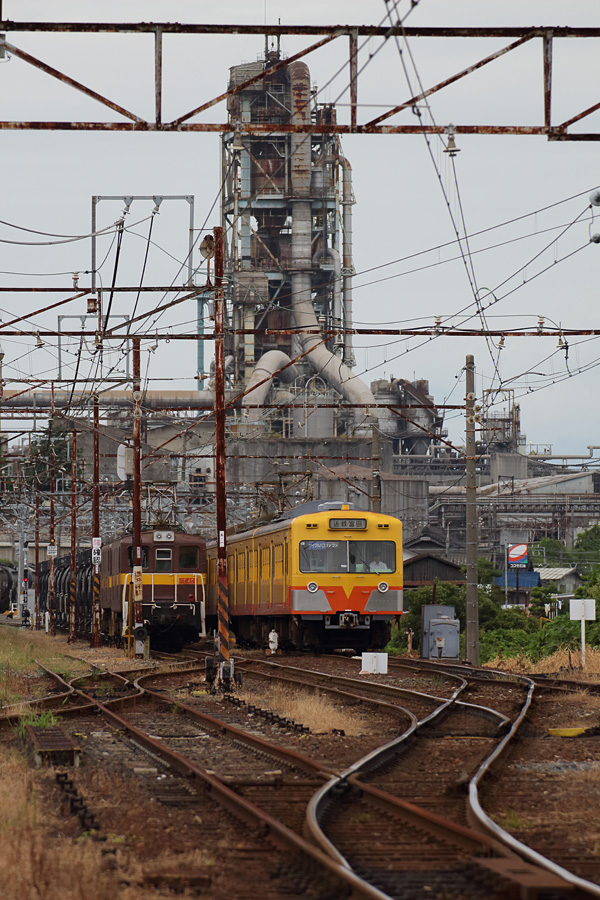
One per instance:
(518, 556)
(347, 523)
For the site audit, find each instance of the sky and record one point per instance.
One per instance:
(522, 199)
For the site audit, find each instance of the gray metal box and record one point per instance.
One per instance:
(440, 632)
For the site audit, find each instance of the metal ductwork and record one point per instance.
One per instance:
(325, 363)
(261, 380)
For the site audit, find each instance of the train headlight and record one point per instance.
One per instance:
(382, 587)
(312, 586)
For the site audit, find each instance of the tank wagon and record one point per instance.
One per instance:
(173, 587)
(328, 578)
(8, 586)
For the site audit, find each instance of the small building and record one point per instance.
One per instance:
(565, 578)
(427, 568)
(519, 584)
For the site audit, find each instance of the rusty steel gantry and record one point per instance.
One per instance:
(517, 36)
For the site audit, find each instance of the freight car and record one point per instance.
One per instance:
(324, 578)
(173, 588)
(8, 586)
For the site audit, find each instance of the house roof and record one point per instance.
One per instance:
(527, 580)
(410, 558)
(555, 573)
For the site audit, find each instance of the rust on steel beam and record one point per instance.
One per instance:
(578, 117)
(282, 128)
(563, 31)
(547, 50)
(66, 79)
(63, 290)
(37, 312)
(448, 81)
(245, 84)
(158, 74)
(390, 332)
(353, 58)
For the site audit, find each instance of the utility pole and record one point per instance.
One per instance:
(73, 570)
(137, 500)
(472, 636)
(96, 642)
(221, 492)
(376, 467)
(36, 615)
(52, 550)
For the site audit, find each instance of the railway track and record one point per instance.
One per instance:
(393, 823)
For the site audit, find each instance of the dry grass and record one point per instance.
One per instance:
(316, 711)
(36, 863)
(568, 663)
(40, 862)
(580, 697)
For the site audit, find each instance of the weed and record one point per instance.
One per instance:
(43, 719)
(511, 821)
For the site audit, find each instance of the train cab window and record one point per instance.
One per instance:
(323, 556)
(144, 557)
(164, 558)
(189, 557)
(372, 556)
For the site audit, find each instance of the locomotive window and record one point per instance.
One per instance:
(372, 556)
(323, 556)
(188, 557)
(163, 559)
(144, 557)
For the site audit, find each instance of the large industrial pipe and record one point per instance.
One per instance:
(334, 255)
(322, 360)
(120, 399)
(265, 368)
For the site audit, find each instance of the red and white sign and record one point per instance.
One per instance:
(517, 554)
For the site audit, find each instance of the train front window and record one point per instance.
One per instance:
(163, 559)
(368, 557)
(372, 556)
(144, 557)
(323, 556)
(189, 558)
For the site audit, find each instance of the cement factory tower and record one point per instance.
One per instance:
(287, 217)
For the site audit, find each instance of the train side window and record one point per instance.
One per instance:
(189, 557)
(164, 558)
(144, 557)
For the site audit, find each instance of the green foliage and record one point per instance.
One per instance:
(549, 552)
(43, 719)
(486, 571)
(504, 642)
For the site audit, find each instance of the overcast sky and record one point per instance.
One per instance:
(401, 189)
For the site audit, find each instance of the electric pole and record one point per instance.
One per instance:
(137, 501)
(472, 533)
(96, 642)
(221, 489)
(73, 572)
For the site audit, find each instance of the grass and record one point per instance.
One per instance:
(39, 863)
(20, 649)
(565, 662)
(316, 711)
(511, 821)
(44, 719)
